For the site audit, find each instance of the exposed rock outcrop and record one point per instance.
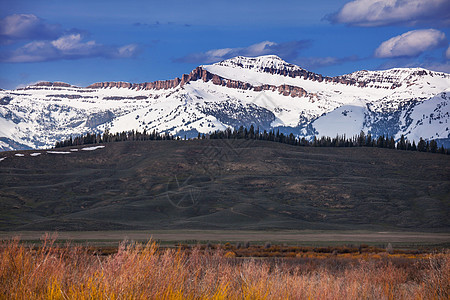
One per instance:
(201, 74)
(69, 96)
(125, 98)
(52, 84)
(5, 100)
(293, 91)
(96, 119)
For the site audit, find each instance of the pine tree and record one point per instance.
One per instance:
(392, 143)
(422, 146)
(380, 141)
(433, 146)
(401, 145)
(240, 134)
(251, 132)
(369, 140)
(361, 139)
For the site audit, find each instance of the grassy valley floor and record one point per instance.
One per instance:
(223, 185)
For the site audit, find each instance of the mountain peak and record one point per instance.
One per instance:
(270, 57)
(259, 62)
(392, 78)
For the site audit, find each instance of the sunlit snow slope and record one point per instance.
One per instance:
(264, 91)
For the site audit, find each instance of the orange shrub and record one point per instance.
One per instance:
(138, 271)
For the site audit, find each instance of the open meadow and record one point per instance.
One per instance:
(224, 185)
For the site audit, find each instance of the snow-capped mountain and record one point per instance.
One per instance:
(264, 91)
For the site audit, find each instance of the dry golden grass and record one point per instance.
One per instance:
(147, 272)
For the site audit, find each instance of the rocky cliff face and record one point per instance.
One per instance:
(274, 65)
(390, 79)
(52, 84)
(201, 74)
(99, 118)
(197, 73)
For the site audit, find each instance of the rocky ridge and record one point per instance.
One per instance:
(201, 74)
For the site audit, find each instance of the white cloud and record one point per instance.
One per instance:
(127, 51)
(426, 62)
(312, 63)
(69, 42)
(26, 26)
(287, 50)
(220, 54)
(18, 25)
(412, 43)
(48, 42)
(438, 67)
(69, 46)
(262, 48)
(317, 62)
(447, 53)
(386, 12)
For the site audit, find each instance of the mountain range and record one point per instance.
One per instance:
(264, 91)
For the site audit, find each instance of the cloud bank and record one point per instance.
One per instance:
(388, 12)
(49, 42)
(25, 26)
(287, 50)
(312, 63)
(411, 44)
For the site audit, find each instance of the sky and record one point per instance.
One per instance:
(85, 41)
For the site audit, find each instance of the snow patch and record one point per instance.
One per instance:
(92, 148)
(430, 119)
(19, 154)
(35, 154)
(58, 152)
(3, 158)
(347, 119)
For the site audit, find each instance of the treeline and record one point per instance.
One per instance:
(361, 140)
(108, 137)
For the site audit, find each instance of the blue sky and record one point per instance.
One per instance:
(81, 42)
